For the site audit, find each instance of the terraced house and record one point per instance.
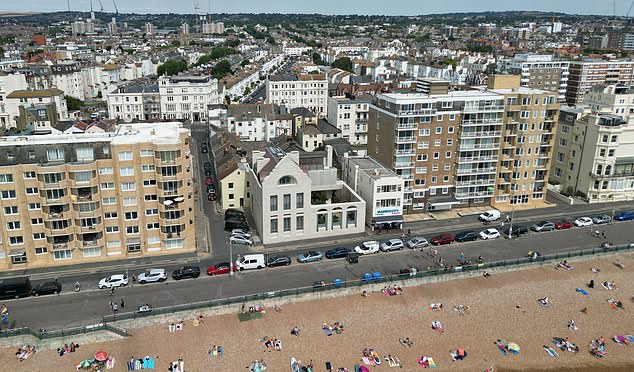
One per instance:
(95, 197)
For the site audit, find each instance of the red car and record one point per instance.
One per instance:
(442, 239)
(563, 224)
(220, 268)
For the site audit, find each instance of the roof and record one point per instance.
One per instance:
(372, 167)
(110, 67)
(327, 128)
(35, 93)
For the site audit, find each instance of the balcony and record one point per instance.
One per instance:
(407, 176)
(405, 152)
(478, 146)
(404, 139)
(476, 171)
(401, 165)
(477, 159)
(504, 180)
(469, 108)
(481, 121)
(495, 133)
(416, 112)
(486, 182)
(473, 195)
(627, 173)
(407, 126)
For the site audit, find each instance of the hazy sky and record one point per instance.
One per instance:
(398, 7)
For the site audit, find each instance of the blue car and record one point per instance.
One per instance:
(310, 256)
(340, 252)
(625, 216)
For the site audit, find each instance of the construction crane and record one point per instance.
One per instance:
(629, 10)
(68, 3)
(101, 5)
(115, 7)
(197, 10)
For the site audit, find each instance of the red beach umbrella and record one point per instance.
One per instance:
(101, 355)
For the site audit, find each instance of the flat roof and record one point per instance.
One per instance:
(371, 167)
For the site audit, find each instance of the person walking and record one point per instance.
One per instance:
(122, 304)
(461, 257)
(115, 308)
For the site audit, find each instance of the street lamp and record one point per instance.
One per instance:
(230, 257)
(511, 224)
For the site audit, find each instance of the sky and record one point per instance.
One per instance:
(399, 7)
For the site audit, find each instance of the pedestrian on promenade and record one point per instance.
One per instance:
(115, 308)
(461, 257)
(603, 234)
(122, 304)
(4, 319)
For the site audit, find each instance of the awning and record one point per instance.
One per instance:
(17, 252)
(397, 218)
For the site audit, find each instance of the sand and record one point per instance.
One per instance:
(379, 321)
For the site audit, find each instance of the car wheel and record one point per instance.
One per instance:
(259, 267)
(55, 292)
(176, 278)
(36, 294)
(196, 276)
(288, 263)
(142, 282)
(162, 280)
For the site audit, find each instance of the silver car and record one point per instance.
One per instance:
(240, 239)
(601, 219)
(392, 245)
(417, 242)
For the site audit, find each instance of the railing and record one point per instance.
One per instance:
(250, 298)
(476, 170)
(477, 158)
(406, 152)
(407, 126)
(495, 133)
(405, 139)
(416, 112)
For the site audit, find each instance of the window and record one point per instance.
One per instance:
(148, 168)
(31, 190)
(133, 247)
(82, 177)
(168, 156)
(107, 185)
(125, 155)
(110, 215)
(611, 152)
(39, 236)
(41, 250)
(273, 223)
(287, 224)
(150, 197)
(29, 175)
(113, 243)
(132, 230)
(437, 142)
(85, 154)
(105, 170)
(14, 225)
(131, 216)
(112, 229)
(34, 206)
(436, 155)
(128, 186)
(149, 183)
(8, 194)
(151, 212)
(11, 210)
(37, 221)
(424, 132)
(299, 200)
(448, 154)
(92, 252)
(273, 203)
(15, 240)
(145, 153)
(152, 226)
(299, 223)
(55, 154)
(438, 130)
(111, 200)
(287, 201)
(127, 171)
(6, 178)
(153, 239)
(63, 254)
(173, 243)
(129, 201)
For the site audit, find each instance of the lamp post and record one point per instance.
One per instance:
(230, 257)
(511, 224)
(612, 219)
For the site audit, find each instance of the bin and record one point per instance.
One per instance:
(353, 257)
(367, 277)
(376, 276)
(337, 283)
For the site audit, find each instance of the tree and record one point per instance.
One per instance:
(221, 69)
(244, 62)
(343, 63)
(270, 40)
(172, 67)
(73, 103)
(175, 43)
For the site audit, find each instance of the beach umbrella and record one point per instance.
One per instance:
(513, 347)
(168, 202)
(179, 199)
(364, 369)
(84, 364)
(101, 355)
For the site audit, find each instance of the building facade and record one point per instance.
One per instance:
(70, 199)
(539, 71)
(590, 73)
(308, 90)
(350, 115)
(134, 103)
(258, 122)
(297, 199)
(187, 97)
(30, 98)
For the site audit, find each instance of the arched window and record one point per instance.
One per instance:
(608, 170)
(287, 180)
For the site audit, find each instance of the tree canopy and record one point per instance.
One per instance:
(73, 103)
(343, 63)
(171, 67)
(221, 69)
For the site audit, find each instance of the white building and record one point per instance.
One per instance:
(68, 77)
(134, 103)
(298, 197)
(612, 99)
(309, 91)
(8, 84)
(539, 71)
(187, 97)
(381, 189)
(296, 50)
(350, 115)
(257, 122)
(30, 98)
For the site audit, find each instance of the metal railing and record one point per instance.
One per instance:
(317, 287)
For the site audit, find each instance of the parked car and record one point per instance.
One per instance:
(116, 280)
(466, 236)
(207, 172)
(583, 221)
(442, 239)
(251, 261)
(340, 252)
(563, 225)
(489, 234)
(240, 239)
(209, 180)
(490, 216)
(240, 232)
(515, 230)
(278, 261)
(211, 197)
(47, 288)
(392, 245)
(368, 247)
(417, 242)
(543, 226)
(236, 224)
(220, 268)
(186, 272)
(235, 216)
(601, 219)
(206, 165)
(152, 275)
(204, 148)
(310, 256)
(624, 216)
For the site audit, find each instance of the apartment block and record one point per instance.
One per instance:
(589, 73)
(79, 198)
(528, 135)
(594, 156)
(350, 114)
(187, 97)
(381, 189)
(258, 122)
(539, 71)
(30, 98)
(614, 99)
(306, 90)
(297, 196)
(134, 103)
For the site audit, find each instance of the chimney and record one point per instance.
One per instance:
(328, 156)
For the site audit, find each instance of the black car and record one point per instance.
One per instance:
(518, 230)
(207, 172)
(236, 224)
(278, 261)
(47, 288)
(206, 165)
(186, 272)
(235, 217)
(340, 252)
(233, 211)
(204, 149)
(466, 236)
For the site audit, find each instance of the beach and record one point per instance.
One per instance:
(501, 307)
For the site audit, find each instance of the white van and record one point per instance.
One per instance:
(489, 216)
(251, 261)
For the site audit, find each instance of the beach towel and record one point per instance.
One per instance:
(327, 331)
(426, 362)
(582, 291)
(551, 351)
(630, 337)
(137, 364)
(436, 325)
(130, 366)
(368, 361)
(501, 347)
(110, 363)
(543, 304)
(620, 339)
